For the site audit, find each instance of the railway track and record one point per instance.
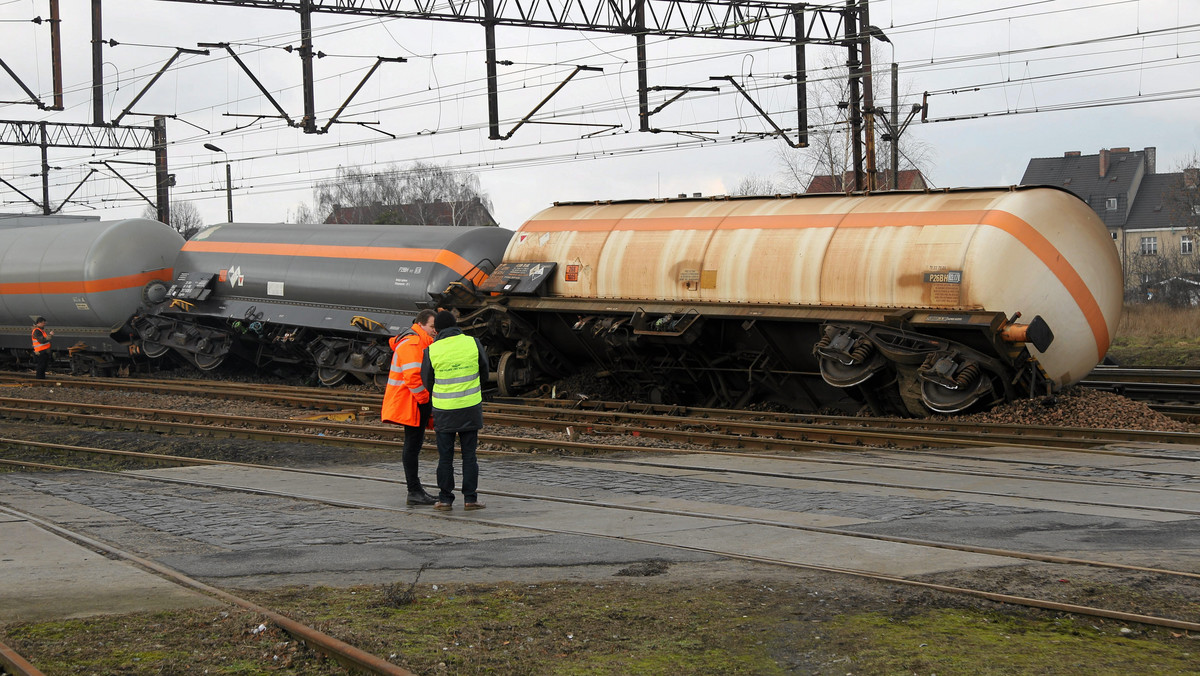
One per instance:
(747, 429)
(264, 480)
(345, 654)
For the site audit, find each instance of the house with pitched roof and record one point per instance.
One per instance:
(907, 179)
(1152, 217)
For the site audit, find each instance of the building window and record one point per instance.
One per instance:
(1149, 246)
(1114, 234)
(1185, 245)
(1110, 204)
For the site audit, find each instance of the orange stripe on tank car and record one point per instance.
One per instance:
(376, 253)
(89, 285)
(1026, 234)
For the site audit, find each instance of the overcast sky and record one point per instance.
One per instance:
(990, 70)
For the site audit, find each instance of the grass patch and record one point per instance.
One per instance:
(1157, 335)
(953, 641)
(617, 627)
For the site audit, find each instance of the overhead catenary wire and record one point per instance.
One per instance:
(471, 90)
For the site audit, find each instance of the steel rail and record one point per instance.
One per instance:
(891, 440)
(966, 433)
(340, 651)
(697, 415)
(730, 420)
(11, 662)
(20, 407)
(760, 435)
(826, 530)
(300, 399)
(547, 444)
(993, 596)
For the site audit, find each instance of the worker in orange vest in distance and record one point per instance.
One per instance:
(41, 348)
(406, 400)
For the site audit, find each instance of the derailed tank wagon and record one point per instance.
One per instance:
(86, 277)
(906, 302)
(326, 296)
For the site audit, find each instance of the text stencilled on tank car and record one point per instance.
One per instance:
(944, 277)
(407, 270)
(945, 286)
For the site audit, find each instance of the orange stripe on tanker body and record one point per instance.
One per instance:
(136, 281)
(441, 256)
(1053, 259)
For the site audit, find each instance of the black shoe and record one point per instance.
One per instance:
(421, 498)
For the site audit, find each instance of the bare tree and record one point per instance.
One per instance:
(185, 218)
(1182, 199)
(829, 138)
(426, 191)
(302, 214)
(755, 184)
(1172, 276)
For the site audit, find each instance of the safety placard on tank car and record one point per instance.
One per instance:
(519, 278)
(274, 288)
(945, 286)
(80, 303)
(572, 273)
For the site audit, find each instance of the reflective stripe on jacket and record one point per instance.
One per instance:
(455, 362)
(404, 388)
(43, 343)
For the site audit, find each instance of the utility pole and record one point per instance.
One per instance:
(97, 65)
(162, 180)
(864, 40)
(855, 67)
(895, 125)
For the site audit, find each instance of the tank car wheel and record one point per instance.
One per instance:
(381, 380)
(506, 374)
(943, 400)
(331, 377)
(153, 350)
(207, 362)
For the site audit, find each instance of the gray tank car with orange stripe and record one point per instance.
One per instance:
(896, 302)
(325, 295)
(86, 277)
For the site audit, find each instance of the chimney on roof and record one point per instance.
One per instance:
(1103, 162)
(1121, 150)
(1151, 156)
(1071, 153)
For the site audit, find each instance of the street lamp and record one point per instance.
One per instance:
(228, 180)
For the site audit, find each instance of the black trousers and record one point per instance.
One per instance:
(467, 442)
(414, 438)
(42, 359)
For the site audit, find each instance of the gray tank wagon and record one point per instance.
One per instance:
(330, 296)
(86, 277)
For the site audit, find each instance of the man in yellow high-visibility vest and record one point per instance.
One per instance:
(457, 366)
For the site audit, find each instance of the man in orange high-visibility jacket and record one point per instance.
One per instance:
(406, 400)
(41, 348)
